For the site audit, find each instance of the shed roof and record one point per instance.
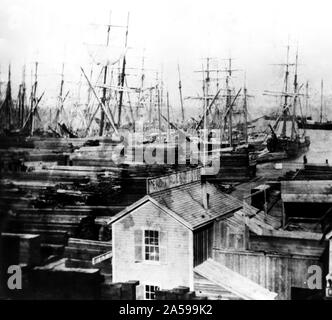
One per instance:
(233, 281)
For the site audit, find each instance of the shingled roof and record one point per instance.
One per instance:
(186, 202)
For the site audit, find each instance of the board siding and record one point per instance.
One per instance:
(167, 275)
(203, 244)
(274, 272)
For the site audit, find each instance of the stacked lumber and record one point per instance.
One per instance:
(80, 253)
(56, 281)
(315, 172)
(113, 155)
(12, 161)
(235, 166)
(271, 157)
(61, 181)
(15, 142)
(20, 149)
(179, 293)
(81, 250)
(119, 291)
(87, 254)
(205, 287)
(54, 225)
(21, 249)
(56, 184)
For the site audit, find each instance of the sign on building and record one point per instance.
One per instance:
(173, 180)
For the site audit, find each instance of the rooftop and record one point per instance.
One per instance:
(186, 202)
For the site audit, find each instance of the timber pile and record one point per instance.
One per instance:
(12, 161)
(113, 155)
(58, 183)
(83, 251)
(315, 172)
(43, 201)
(179, 293)
(310, 171)
(55, 224)
(7, 142)
(237, 166)
(21, 249)
(20, 149)
(204, 287)
(271, 157)
(80, 254)
(49, 197)
(56, 281)
(118, 163)
(119, 291)
(87, 254)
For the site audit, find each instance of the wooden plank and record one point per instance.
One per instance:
(307, 197)
(293, 234)
(89, 243)
(287, 246)
(307, 187)
(101, 258)
(277, 272)
(233, 281)
(52, 219)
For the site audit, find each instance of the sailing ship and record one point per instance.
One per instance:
(237, 162)
(295, 144)
(305, 123)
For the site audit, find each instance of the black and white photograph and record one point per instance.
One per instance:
(165, 150)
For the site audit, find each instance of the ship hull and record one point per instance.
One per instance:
(293, 148)
(315, 126)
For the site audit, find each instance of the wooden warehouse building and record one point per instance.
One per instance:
(163, 239)
(188, 233)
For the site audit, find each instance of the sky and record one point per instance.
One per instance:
(255, 33)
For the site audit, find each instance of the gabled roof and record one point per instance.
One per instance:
(143, 201)
(185, 204)
(329, 235)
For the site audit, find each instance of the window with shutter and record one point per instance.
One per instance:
(231, 240)
(140, 292)
(138, 239)
(163, 247)
(240, 241)
(235, 239)
(152, 245)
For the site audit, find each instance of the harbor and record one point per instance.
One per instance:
(129, 185)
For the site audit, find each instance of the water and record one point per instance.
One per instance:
(320, 147)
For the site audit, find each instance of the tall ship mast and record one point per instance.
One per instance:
(306, 123)
(293, 144)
